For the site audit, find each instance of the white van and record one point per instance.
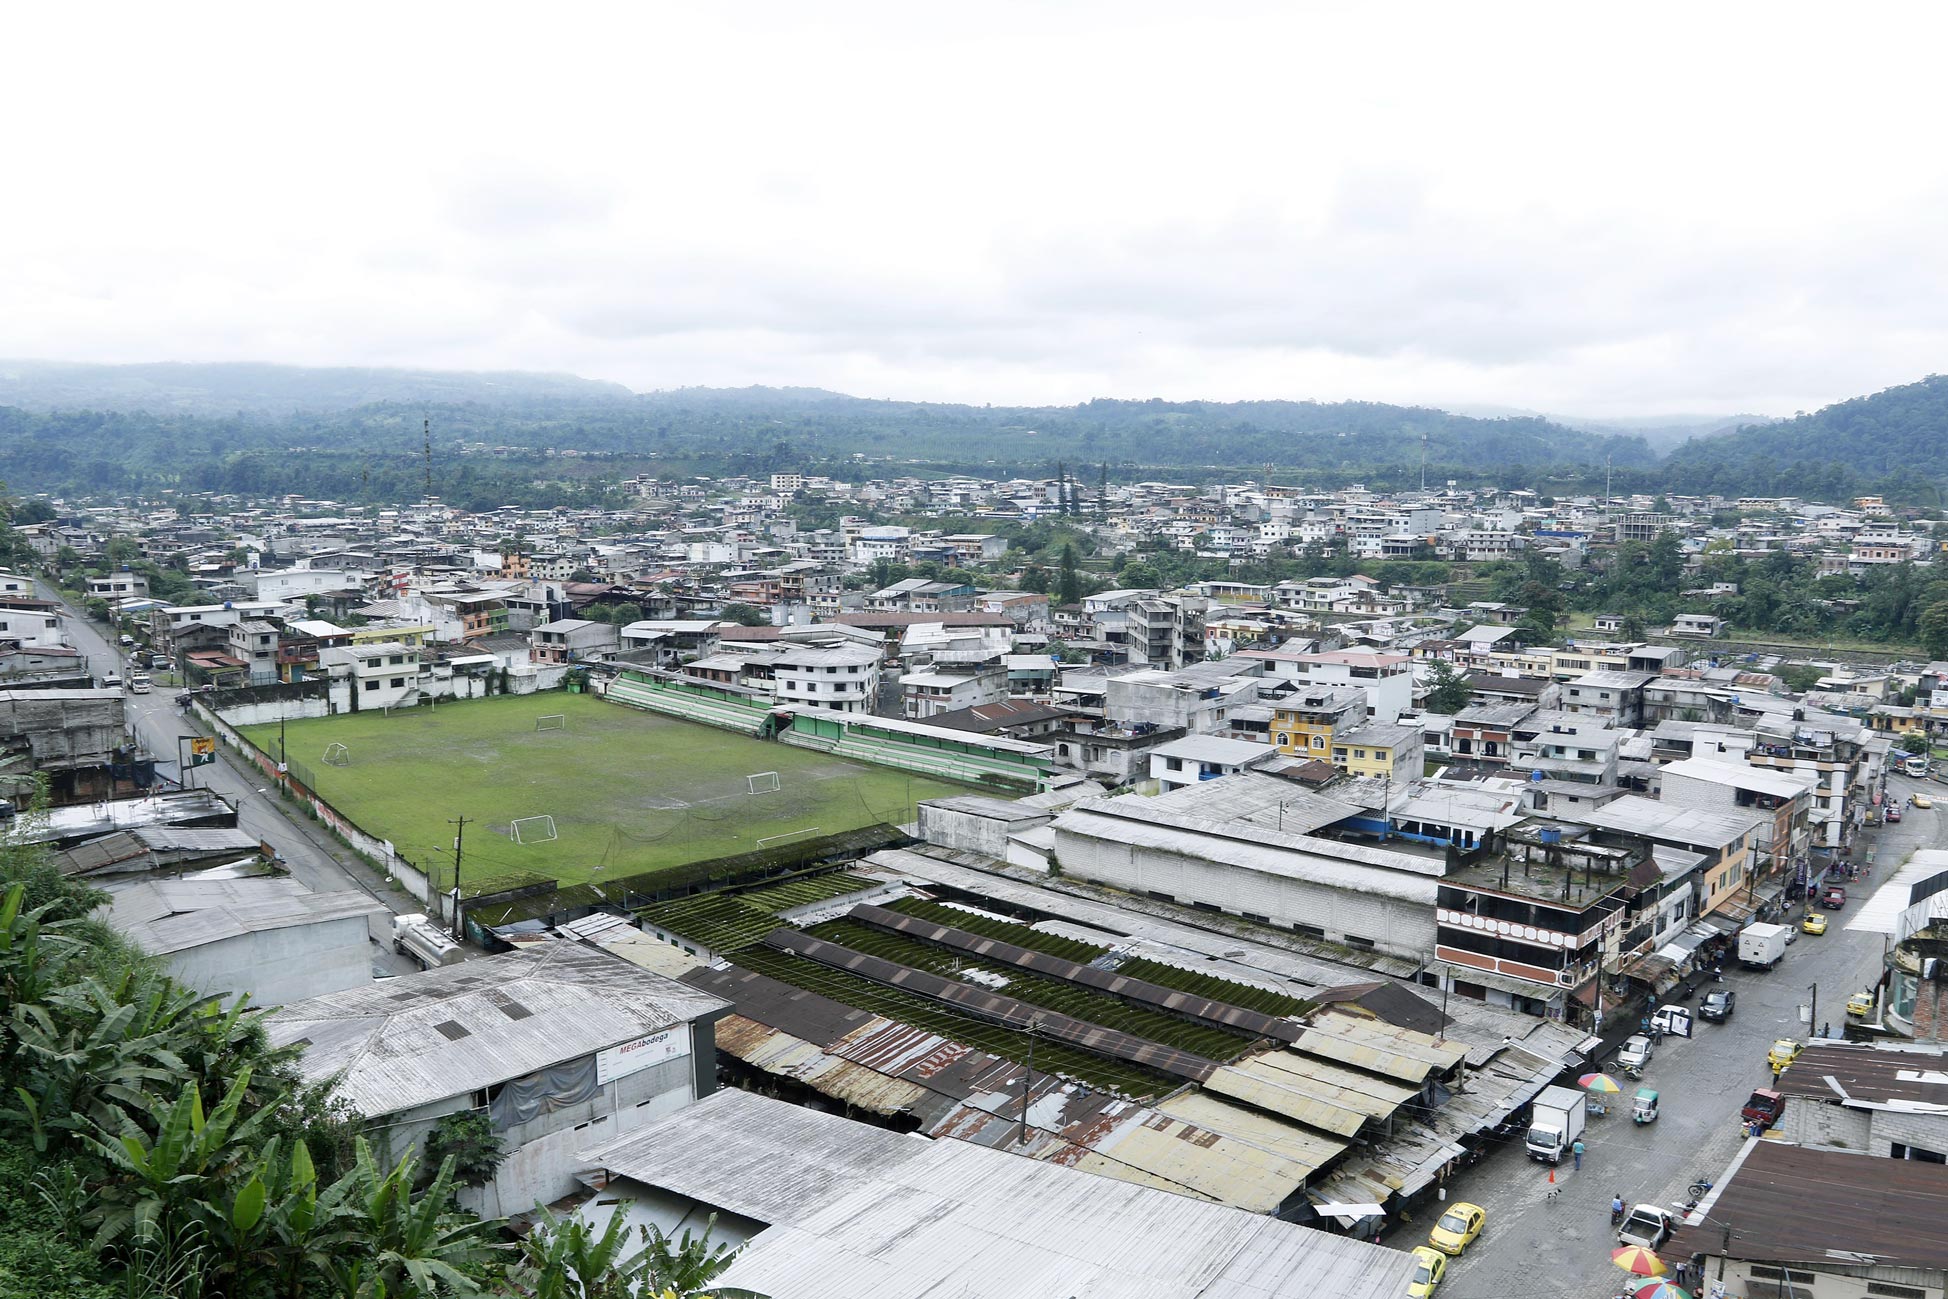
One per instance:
(139, 683)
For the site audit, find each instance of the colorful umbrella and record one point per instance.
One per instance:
(1598, 1082)
(1660, 1290)
(1635, 1258)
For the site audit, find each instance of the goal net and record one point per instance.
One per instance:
(551, 722)
(532, 829)
(764, 782)
(337, 755)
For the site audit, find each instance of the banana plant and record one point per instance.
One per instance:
(416, 1247)
(162, 1175)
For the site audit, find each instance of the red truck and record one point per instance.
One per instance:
(1833, 898)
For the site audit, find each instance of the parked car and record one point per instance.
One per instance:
(1861, 1004)
(1430, 1265)
(1634, 1056)
(1783, 1053)
(1458, 1227)
(1814, 923)
(1718, 1005)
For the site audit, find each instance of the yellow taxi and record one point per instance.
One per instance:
(1814, 923)
(1783, 1053)
(1430, 1265)
(1922, 801)
(1861, 1004)
(1458, 1227)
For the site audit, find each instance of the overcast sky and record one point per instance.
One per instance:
(1597, 210)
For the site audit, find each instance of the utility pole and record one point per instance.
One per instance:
(1812, 1013)
(1028, 1085)
(458, 835)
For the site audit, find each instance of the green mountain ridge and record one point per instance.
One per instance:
(1887, 443)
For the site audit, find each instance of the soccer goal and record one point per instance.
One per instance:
(532, 829)
(551, 722)
(763, 782)
(337, 755)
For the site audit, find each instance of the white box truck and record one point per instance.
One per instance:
(418, 937)
(1555, 1121)
(1761, 946)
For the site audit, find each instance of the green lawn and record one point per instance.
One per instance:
(629, 791)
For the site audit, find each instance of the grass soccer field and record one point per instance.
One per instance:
(629, 791)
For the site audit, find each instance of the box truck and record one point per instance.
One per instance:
(1761, 946)
(1555, 1121)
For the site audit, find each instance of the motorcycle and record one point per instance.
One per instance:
(1635, 1071)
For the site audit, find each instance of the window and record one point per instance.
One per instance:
(397, 682)
(372, 685)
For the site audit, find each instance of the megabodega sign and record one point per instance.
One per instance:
(636, 1056)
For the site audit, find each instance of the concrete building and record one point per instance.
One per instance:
(574, 640)
(560, 1044)
(1887, 1099)
(928, 694)
(1306, 723)
(1387, 680)
(1197, 758)
(1198, 700)
(1219, 845)
(1393, 753)
(1781, 800)
(379, 675)
(270, 939)
(844, 678)
(1616, 697)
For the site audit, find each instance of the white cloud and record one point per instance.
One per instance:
(1559, 207)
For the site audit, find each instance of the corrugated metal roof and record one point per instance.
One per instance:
(864, 1215)
(174, 915)
(1379, 1047)
(1137, 990)
(380, 1041)
(1274, 1096)
(997, 1008)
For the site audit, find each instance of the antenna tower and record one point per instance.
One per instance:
(428, 430)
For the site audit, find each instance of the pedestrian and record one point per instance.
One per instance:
(1576, 1153)
(1616, 1208)
(1677, 1277)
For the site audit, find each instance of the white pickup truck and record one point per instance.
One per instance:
(1647, 1225)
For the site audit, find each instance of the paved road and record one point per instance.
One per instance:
(314, 858)
(1537, 1247)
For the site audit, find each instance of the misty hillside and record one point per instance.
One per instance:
(1888, 443)
(227, 389)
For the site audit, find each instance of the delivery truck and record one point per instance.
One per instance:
(418, 937)
(1761, 946)
(1555, 1121)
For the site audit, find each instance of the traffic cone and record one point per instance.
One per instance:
(1552, 1174)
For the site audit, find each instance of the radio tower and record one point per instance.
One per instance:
(428, 430)
(1423, 462)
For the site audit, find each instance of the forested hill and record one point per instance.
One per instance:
(1349, 436)
(374, 452)
(1889, 443)
(227, 389)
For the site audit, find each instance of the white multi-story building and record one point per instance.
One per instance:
(381, 674)
(842, 677)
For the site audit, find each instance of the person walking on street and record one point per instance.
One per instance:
(1576, 1152)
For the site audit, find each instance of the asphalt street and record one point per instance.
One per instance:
(312, 856)
(1534, 1247)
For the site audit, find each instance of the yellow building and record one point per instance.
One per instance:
(1305, 724)
(1379, 750)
